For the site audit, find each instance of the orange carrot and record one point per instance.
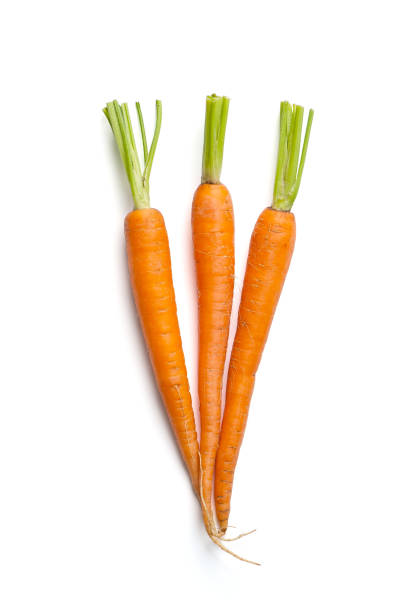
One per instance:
(151, 279)
(213, 239)
(269, 257)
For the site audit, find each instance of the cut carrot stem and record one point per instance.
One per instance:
(215, 127)
(142, 131)
(288, 173)
(151, 153)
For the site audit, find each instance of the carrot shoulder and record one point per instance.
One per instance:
(150, 273)
(213, 241)
(270, 251)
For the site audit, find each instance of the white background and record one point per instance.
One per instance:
(96, 510)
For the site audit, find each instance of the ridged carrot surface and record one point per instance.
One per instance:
(213, 240)
(149, 262)
(270, 252)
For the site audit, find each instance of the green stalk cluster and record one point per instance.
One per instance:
(215, 127)
(119, 118)
(289, 172)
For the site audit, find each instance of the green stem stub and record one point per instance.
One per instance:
(289, 171)
(215, 127)
(119, 118)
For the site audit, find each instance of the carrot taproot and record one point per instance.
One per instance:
(150, 272)
(270, 251)
(213, 242)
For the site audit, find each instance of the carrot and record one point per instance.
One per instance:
(269, 257)
(149, 263)
(213, 240)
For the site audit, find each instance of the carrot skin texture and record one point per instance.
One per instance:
(270, 251)
(213, 239)
(149, 263)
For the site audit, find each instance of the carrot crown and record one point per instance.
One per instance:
(119, 118)
(288, 172)
(215, 127)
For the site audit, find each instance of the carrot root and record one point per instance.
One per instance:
(270, 251)
(150, 273)
(213, 240)
(238, 537)
(218, 543)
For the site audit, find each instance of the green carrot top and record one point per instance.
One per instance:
(215, 127)
(120, 122)
(288, 172)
